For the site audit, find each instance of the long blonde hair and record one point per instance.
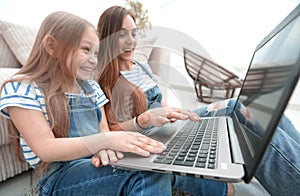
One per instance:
(55, 74)
(109, 24)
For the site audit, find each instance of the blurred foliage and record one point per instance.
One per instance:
(140, 14)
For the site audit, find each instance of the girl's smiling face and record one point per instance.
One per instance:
(86, 55)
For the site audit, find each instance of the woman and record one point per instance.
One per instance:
(133, 99)
(131, 90)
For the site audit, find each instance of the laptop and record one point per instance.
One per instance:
(232, 149)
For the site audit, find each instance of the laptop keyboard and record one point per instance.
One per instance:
(194, 146)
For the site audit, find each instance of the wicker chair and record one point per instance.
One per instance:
(264, 80)
(212, 82)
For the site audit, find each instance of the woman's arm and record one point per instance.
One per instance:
(34, 128)
(156, 117)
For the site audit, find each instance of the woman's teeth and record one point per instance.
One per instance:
(87, 69)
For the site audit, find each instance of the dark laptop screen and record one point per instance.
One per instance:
(268, 85)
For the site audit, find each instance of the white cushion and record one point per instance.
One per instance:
(7, 58)
(19, 38)
(6, 73)
(143, 49)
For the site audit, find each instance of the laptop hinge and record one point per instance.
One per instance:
(234, 144)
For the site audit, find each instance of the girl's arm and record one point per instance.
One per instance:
(105, 156)
(34, 128)
(103, 126)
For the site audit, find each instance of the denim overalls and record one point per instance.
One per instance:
(85, 117)
(154, 97)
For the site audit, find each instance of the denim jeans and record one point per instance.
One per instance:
(80, 177)
(279, 170)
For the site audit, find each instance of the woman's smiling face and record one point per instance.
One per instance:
(127, 38)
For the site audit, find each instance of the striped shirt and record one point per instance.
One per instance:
(26, 94)
(139, 77)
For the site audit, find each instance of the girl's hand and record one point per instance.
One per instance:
(121, 141)
(133, 142)
(104, 157)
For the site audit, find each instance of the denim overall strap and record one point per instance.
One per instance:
(85, 86)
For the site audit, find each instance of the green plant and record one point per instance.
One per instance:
(141, 15)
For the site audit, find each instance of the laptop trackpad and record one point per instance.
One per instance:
(165, 133)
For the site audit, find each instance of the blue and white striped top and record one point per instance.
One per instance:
(139, 77)
(26, 94)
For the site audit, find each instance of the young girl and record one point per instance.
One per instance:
(131, 89)
(57, 112)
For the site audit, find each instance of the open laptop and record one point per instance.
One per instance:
(238, 146)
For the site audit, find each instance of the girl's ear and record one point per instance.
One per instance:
(49, 44)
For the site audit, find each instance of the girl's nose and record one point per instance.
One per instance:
(93, 59)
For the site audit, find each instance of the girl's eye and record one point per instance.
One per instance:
(86, 49)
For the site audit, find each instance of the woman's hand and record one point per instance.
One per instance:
(160, 116)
